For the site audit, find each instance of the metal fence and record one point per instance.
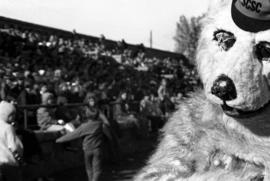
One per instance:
(106, 108)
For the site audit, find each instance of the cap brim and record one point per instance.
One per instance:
(246, 23)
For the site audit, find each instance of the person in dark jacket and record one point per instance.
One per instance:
(27, 97)
(128, 122)
(91, 130)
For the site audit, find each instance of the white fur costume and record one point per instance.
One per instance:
(201, 142)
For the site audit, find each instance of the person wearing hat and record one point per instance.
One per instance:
(251, 15)
(11, 148)
(91, 130)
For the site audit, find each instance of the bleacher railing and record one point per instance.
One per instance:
(28, 107)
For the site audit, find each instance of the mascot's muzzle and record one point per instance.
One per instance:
(224, 88)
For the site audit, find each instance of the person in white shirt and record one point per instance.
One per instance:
(11, 148)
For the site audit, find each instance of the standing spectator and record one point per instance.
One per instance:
(166, 105)
(162, 90)
(104, 98)
(11, 148)
(145, 105)
(93, 138)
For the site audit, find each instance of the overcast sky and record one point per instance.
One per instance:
(116, 19)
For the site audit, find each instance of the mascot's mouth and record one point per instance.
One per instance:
(238, 113)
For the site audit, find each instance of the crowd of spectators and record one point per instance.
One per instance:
(33, 62)
(134, 91)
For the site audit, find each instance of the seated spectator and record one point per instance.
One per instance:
(11, 148)
(76, 95)
(103, 101)
(145, 105)
(43, 89)
(63, 94)
(149, 107)
(62, 111)
(28, 97)
(124, 117)
(177, 98)
(46, 116)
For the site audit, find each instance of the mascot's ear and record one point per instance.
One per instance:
(216, 5)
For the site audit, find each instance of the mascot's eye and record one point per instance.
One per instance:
(262, 50)
(224, 39)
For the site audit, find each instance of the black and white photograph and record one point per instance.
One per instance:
(134, 90)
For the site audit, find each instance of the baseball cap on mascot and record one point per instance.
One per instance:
(251, 15)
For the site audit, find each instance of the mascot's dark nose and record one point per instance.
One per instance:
(224, 88)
